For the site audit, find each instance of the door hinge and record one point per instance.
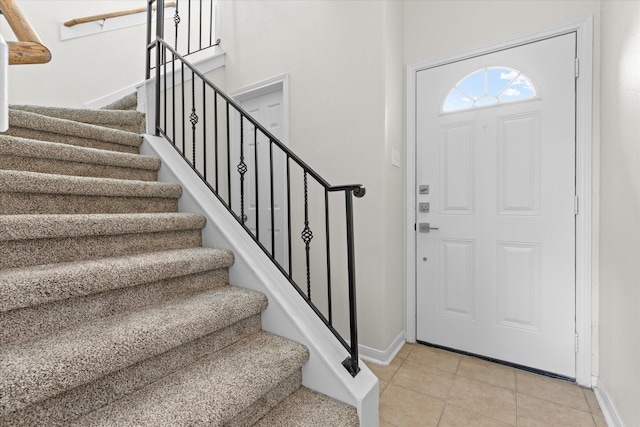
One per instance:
(577, 67)
(576, 341)
(575, 205)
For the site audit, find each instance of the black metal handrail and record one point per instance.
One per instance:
(184, 107)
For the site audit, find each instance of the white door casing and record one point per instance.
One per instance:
(497, 278)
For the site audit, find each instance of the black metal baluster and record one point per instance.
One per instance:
(307, 235)
(193, 118)
(255, 177)
(184, 137)
(189, 28)
(215, 132)
(165, 124)
(327, 231)
(176, 21)
(228, 158)
(273, 231)
(200, 29)
(289, 214)
(173, 98)
(204, 130)
(211, 23)
(242, 169)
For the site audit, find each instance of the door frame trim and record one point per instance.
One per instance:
(583, 27)
(273, 84)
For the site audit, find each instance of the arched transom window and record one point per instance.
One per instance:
(489, 86)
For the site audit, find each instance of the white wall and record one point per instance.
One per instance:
(82, 69)
(344, 61)
(620, 197)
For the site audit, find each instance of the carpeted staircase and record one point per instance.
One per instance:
(111, 311)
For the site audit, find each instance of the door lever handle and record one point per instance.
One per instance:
(425, 227)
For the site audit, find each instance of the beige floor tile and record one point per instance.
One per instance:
(405, 350)
(383, 372)
(600, 421)
(435, 358)
(594, 406)
(382, 385)
(487, 372)
(454, 416)
(534, 412)
(385, 424)
(485, 399)
(406, 408)
(423, 379)
(561, 392)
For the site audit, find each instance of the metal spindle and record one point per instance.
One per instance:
(242, 169)
(189, 27)
(307, 235)
(200, 29)
(193, 117)
(327, 232)
(273, 227)
(228, 158)
(184, 136)
(215, 133)
(256, 191)
(204, 130)
(289, 215)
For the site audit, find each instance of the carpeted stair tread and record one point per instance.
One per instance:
(43, 226)
(46, 128)
(62, 409)
(40, 284)
(127, 102)
(42, 183)
(50, 157)
(42, 368)
(210, 392)
(113, 118)
(306, 408)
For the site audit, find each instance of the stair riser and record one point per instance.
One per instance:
(60, 410)
(72, 140)
(60, 167)
(23, 253)
(268, 401)
(24, 324)
(35, 203)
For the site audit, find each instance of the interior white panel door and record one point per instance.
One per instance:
(266, 108)
(496, 269)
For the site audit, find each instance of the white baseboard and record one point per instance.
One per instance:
(380, 357)
(607, 406)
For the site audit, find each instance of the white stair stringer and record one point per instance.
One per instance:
(287, 314)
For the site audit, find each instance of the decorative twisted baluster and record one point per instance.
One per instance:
(307, 235)
(242, 169)
(193, 117)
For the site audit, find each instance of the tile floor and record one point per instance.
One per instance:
(426, 387)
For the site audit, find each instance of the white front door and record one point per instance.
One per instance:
(496, 270)
(266, 109)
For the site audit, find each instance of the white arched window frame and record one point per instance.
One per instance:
(489, 86)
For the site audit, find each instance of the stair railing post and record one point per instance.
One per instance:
(159, 36)
(351, 363)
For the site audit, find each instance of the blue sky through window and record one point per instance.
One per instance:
(489, 86)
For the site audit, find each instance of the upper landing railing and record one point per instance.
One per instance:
(29, 49)
(272, 193)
